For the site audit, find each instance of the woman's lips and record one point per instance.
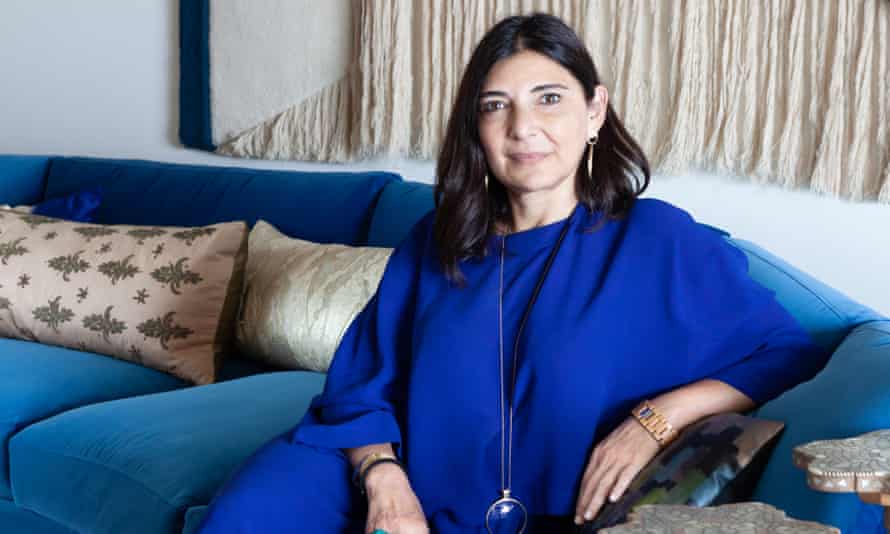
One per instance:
(527, 157)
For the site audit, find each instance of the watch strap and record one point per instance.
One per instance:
(654, 422)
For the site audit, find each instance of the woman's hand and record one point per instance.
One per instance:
(613, 464)
(392, 504)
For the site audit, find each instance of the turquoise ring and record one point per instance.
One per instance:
(380, 531)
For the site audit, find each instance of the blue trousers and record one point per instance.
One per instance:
(289, 487)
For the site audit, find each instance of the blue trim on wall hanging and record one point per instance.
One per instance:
(194, 75)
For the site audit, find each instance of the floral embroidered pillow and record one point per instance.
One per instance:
(162, 297)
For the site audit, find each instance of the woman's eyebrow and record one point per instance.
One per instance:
(536, 89)
(549, 86)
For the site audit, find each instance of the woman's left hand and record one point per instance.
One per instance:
(613, 464)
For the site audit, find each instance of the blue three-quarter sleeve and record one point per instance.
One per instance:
(357, 406)
(741, 334)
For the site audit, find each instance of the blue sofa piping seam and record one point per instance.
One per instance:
(45, 518)
(50, 161)
(372, 208)
(870, 325)
(106, 467)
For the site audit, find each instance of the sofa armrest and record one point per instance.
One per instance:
(22, 179)
(850, 396)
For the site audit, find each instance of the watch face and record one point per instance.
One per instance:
(646, 412)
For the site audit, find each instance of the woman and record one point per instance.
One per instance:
(494, 382)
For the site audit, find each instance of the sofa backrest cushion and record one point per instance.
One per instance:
(401, 205)
(22, 179)
(824, 312)
(326, 207)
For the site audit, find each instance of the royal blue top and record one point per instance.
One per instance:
(639, 307)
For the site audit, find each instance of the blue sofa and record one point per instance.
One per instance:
(92, 444)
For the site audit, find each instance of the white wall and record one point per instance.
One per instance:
(100, 78)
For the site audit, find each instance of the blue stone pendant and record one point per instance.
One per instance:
(506, 516)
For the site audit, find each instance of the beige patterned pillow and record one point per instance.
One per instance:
(163, 297)
(300, 297)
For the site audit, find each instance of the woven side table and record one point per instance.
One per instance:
(742, 518)
(858, 465)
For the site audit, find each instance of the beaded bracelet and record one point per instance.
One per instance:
(365, 466)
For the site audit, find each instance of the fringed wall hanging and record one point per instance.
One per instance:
(795, 93)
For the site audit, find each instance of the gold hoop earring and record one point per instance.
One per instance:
(591, 142)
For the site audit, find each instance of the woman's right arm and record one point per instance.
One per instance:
(365, 384)
(392, 504)
(356, 455)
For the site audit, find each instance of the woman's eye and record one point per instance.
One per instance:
(492, 105)
(551, 98)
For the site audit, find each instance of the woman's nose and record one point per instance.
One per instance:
(522, 123)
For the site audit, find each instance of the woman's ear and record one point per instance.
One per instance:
(596, 109)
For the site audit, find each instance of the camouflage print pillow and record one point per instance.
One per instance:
(162, 297)
(714, 461)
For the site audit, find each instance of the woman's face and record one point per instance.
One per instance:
(534, 122)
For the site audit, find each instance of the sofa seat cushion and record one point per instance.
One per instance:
(39, 381)
(136, 465)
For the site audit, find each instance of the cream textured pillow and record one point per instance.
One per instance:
(300, 297)
(163, 297)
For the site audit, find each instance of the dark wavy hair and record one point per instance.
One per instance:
(467, 213)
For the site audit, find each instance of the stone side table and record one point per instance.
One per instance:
(858, 465)
(741, 518)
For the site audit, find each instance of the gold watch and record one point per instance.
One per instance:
(654, 422)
